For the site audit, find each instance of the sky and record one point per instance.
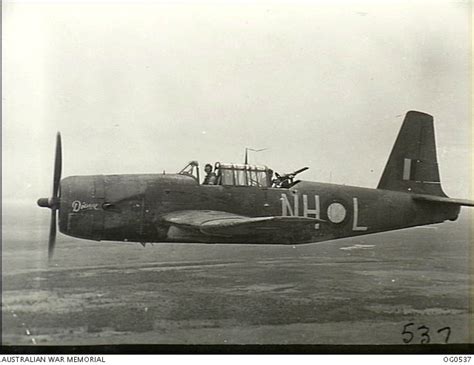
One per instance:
(148, 86)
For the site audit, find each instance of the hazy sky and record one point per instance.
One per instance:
(148, 87)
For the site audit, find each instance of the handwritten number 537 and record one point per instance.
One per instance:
(409, 331)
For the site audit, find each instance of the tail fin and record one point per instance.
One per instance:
(412, 165)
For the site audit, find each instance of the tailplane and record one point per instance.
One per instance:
(413, 166)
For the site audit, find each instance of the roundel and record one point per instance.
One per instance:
(336, 212)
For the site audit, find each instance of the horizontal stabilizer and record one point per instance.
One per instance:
(439, 199)
(226, 224)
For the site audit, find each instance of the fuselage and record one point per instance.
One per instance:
(131, 207)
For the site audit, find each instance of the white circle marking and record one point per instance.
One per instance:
(336, 212)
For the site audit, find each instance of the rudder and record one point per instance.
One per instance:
(413, 166)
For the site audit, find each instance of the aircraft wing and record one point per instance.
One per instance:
(224, 224)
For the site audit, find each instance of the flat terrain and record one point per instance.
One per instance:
(352, 291)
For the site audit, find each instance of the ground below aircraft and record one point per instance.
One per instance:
(248, 205)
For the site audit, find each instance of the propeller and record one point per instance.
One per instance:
(53, 202)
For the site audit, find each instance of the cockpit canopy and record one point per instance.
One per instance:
(234, 174)
(243, 175)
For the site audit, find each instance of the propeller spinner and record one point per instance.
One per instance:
(53, 202)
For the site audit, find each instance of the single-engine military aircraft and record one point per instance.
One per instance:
(248, 205)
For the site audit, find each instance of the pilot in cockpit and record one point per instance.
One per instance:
(210, 178)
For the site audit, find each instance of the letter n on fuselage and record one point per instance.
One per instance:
(286, 209)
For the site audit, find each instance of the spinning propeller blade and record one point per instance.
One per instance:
(53, 202)
(58, 161)
(52, 235)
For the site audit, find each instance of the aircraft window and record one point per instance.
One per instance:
(227, 177)
(243, 175)
(191, 169)
(261, 178)
(252, 178)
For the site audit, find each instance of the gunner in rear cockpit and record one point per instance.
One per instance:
(211, 177)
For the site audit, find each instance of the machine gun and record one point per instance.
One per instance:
(286, 180)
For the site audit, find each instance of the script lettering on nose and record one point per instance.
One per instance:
(78, 206)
